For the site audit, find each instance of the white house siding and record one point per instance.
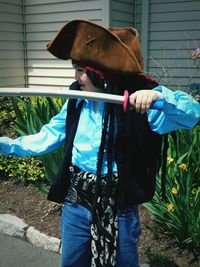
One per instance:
(11, 44)
(172, 28)
(138, 14)
(174, 31)
(122, 13)
(43, 19)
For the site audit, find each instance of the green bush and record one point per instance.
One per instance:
(7, 116)
(180, 215)
(26, 170)
(23, 116)
(31, 114)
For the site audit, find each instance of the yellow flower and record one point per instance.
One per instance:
(170, 159)
(183, 166)
(170, 207)
(174, 191)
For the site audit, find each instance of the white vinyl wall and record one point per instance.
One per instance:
(173, 32)
(169, 31)
(11, 44)
(122, 13)
(43, 19)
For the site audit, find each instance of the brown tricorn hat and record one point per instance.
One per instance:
(114, 49)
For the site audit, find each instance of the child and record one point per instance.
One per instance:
(112, 156)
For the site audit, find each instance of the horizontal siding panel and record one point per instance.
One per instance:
(49, 85)
(181, 63)
(43, 20)
(176, 16)
(49, 26)
(138, 15)
(166, 53)
(174, 7)
(171, 1)
(43, 27)
(9, 54)
(11, 72)
(39, 36)
(14, 18)
(13, 2)
(10, 27)
(91, 15)
(187, 46)
(127, 1)
(11, 44)
(171, 82)
(41, 2)
(39, 45)
(173, 35)
(11, 36)
(14, 63)
(123, 6)
(50, 72)
(121, 13)
(8, 8)
(39, 54)
(176, 83)
(124, 17)
(53, 63)
(12, 82)
(63, 7)
(176, 72)
(174, 80)
(50, 81)
(171, 26)
(121, 23)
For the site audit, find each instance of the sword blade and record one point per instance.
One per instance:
(66, 93)
(61, 92)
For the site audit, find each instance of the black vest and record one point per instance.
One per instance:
(138, 157)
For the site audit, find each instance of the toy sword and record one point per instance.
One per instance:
(63, 92)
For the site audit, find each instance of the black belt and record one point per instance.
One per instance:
(76, 197)
(74, 169)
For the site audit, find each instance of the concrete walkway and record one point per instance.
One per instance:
(15, 252)
(24, 246)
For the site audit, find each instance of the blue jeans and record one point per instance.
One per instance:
(76, 238)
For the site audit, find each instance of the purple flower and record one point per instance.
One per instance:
(195, 54)
(197, 51)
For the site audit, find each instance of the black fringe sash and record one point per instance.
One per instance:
(104, 226)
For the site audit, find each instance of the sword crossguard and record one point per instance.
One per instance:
(156, 104)
(126, 100)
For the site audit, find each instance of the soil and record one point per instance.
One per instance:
(29, 204)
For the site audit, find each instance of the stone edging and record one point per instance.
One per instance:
(14, 226)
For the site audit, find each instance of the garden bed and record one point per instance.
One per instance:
(28, 203)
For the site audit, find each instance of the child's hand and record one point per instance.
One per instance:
(141, 100)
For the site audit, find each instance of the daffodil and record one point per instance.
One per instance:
(174, 191)
(170, 159)
(183, 166)
(170, 207)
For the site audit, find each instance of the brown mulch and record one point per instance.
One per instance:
(27, 203)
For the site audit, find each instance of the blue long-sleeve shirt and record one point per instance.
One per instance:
(180, 111)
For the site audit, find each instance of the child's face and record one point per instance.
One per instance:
(83, 79)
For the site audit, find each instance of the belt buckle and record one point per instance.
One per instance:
(71, 168)
(72, 195)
